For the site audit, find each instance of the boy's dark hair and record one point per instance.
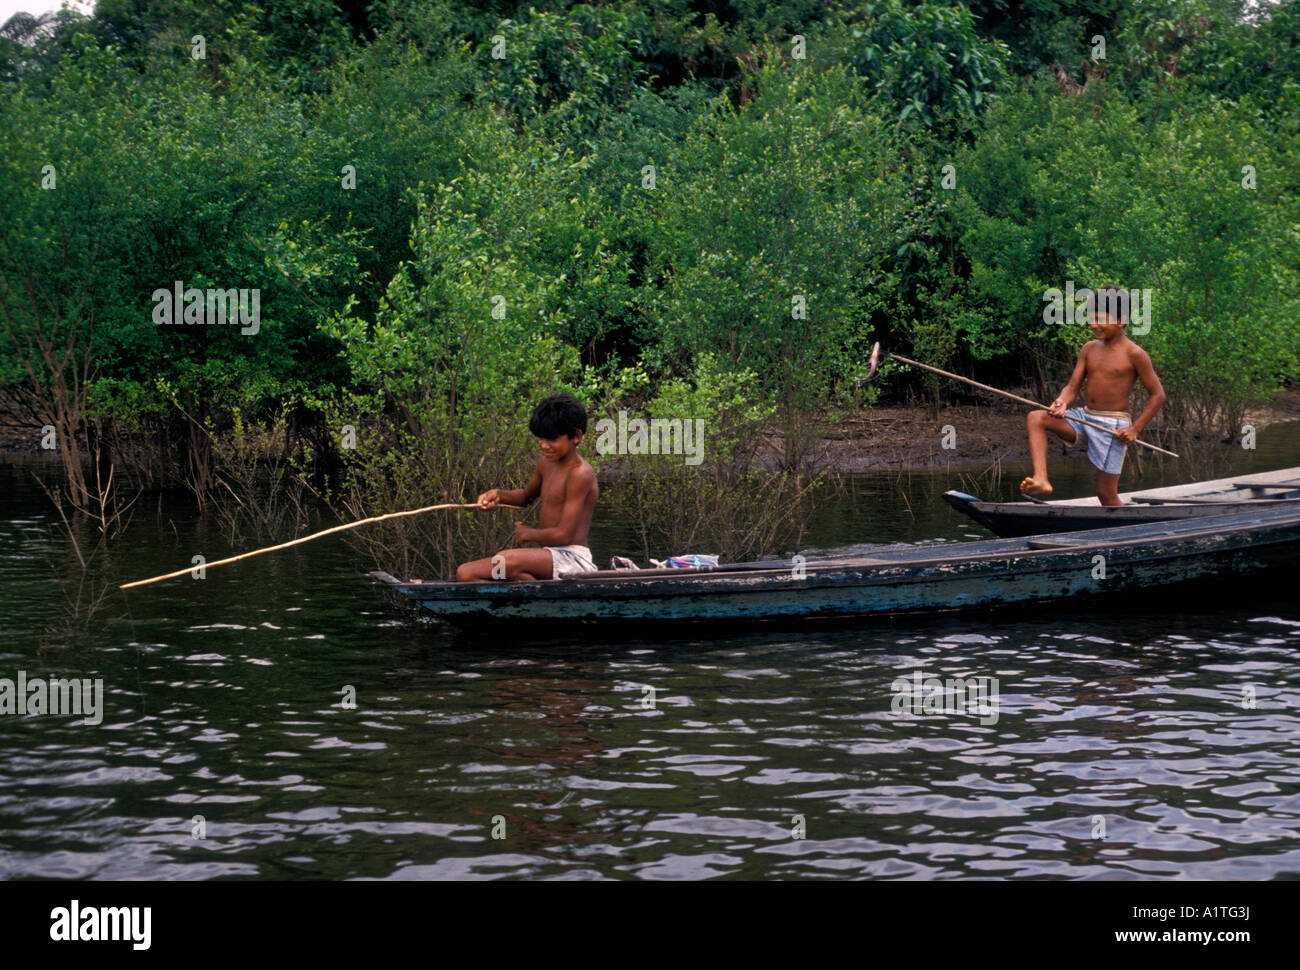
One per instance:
(1111, 300)
(559, 414)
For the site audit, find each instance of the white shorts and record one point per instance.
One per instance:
(570, 561)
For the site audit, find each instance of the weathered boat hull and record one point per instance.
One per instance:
(975, 575)
(1192, 501)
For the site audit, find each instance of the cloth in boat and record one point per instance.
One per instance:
(693, 561)
(1105, 451)
(570, 561)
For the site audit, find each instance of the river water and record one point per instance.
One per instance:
(1161, 743)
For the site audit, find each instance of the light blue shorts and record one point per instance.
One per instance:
(1105, 451)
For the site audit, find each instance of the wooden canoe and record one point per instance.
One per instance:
(971, 575)
(1190, 501)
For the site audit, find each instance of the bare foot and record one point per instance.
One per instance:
(1032, 486)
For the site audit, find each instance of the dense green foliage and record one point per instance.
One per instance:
(451, 209)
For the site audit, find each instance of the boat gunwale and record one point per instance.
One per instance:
(1235, 483)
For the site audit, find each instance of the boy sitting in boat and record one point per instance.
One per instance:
(567, 486)
(1111, 364)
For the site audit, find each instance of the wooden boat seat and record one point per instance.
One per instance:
(1231, 502)
(1259, 487)
(1054, 543)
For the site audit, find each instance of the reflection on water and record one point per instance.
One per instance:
(1162, 744)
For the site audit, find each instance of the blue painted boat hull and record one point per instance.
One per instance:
(975, 575)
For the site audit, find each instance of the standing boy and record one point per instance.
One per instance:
(567, 486)
(1111, 364)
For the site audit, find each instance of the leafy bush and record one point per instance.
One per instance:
(1218, 249)
(1087, 191)
(574, 67)
(771, 228)
(927, 59)
(464, 345)
(732, 503)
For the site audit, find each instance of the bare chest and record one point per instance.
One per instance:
(554, 490)
(1110, 367)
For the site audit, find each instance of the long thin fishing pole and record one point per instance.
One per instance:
(316, 535)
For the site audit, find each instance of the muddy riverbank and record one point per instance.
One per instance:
(900, 438)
